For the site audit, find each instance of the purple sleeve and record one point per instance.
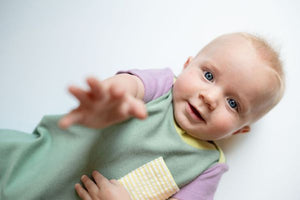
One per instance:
(204, 186)
(157, 82)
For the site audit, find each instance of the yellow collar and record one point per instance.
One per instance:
(199, 144)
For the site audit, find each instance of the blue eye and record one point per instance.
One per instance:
(209, 76)
(232, 103)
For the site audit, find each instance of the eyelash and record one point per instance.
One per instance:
(209, 74)
(237, 104)
(210, 77)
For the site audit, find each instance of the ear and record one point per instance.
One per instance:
(244, 129)
(187, 62)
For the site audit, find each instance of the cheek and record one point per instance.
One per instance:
(224, 124)
(187, 83)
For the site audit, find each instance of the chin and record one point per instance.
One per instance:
(200, 137)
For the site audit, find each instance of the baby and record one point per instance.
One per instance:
(231, 83)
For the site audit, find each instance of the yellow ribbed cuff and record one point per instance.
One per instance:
(152, 181)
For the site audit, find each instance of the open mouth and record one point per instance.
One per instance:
(196, 113)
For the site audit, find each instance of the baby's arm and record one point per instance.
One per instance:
(204, 186)
(125, 90)
(101, 188)
(107, 102)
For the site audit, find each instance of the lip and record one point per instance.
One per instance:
(194, 113)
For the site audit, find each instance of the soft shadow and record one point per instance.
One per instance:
(232, 143)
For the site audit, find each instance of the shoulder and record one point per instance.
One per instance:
(157, 82)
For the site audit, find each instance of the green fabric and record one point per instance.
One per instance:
(47, 163)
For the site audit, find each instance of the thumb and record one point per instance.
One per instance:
(138, 109)
(70, 119)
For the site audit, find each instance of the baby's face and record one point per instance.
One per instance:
(224, 88)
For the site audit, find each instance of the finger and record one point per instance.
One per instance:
(130, 107)
(96, 87)
(80, 94)
(115, 182)
(99, 179)
(137, 109)
(82, 193)
(116, 92)
(89, 184)
(73, 117)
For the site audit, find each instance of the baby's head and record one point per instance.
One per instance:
(231, 83)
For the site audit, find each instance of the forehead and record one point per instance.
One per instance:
(242, 72)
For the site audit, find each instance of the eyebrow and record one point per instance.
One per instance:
(212, 65)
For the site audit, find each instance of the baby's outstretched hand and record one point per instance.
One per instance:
(101, 189)
(102, 105)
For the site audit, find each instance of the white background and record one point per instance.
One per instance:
(47, 45)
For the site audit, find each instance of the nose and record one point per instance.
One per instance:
(210, 97)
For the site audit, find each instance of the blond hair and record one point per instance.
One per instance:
(271, 56)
